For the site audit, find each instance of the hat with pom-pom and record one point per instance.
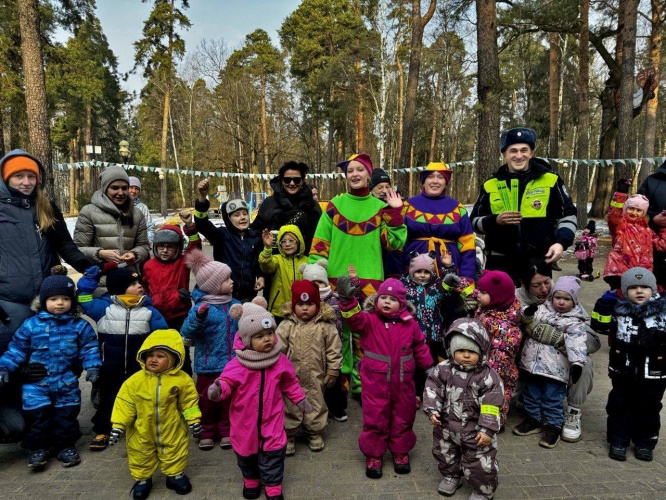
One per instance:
(210, 274)
(422, 262)
(316, 271)
(252, 318)
(499, 286)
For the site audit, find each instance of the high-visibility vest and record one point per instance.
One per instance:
(536, 196)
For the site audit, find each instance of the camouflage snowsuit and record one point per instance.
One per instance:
(467, 402)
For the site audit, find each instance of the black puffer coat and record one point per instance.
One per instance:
(654, 189)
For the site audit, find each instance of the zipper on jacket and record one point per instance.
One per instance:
(127, 325)
(260, 416)
(229, 339)
(157, 411)
(274, 300)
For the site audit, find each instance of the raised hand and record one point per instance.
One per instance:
(186, 217)
(393, 199)
(203, 187)
(268, 238)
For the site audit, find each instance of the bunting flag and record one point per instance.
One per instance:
(559, 162)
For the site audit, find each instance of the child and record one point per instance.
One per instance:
(633, 240)
(311, 342)
(394, 347)
(636, 367)
(549, 367)
(211, 328)
(499, 312)
(462, 399)
(58, 338)
(585, 251)
(285, 266)
(155, 406)
(125, 318)
(255, 380)
(235, 243)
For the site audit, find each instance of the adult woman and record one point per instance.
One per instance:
(437, 222)
(290, 203)
(353, 230)
(33, 235)
(111, 228)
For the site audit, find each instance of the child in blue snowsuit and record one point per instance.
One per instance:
(58, 338)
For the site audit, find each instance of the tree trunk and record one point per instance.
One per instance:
(583, 143)
(554, 96)
(401, 105)
(6, 129)
(488, 89)
(264, 125)
(623, 145)
(163, 151)
(35, 86)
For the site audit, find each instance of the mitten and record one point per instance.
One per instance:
(184, 295)
(531, 310)
(196, 429)
(4, 377)
(575, 372)
(451, 281)
(202, 312)
(329, 380)
(603, 321)
(304, 405)
(89, 281)
(92, 375)
(115, 436)
(346, 289)
(214, 391)
(623, 185)
(547, 334)
(33, 372)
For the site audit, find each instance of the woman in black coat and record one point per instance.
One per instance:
(290, 203)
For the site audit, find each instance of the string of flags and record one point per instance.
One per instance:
(560, 162)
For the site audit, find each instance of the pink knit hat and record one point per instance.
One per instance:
(499, 286)
(568, 284)
(210, 275)
(394, 288)
(421, 262)
(252, 318)
(637, 201)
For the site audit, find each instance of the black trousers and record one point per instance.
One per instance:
(585, 266)
(336, 397)
(633, 412)
(51, 426)
(109, 384)
(265, 465)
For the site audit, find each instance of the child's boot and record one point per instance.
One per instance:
(180, 484)
(99, 442)
(449, 485)
(551, 436)
(141, 489)
(69, 457)
(316, 442)
(479, 496)
(291, 447)
(37, 459)
(618, 452)
(401, 463)
(251, 488)
(644, 454)
(373, 467)
(206, 444)
(274, 492)
(225, 443)
(572, 430)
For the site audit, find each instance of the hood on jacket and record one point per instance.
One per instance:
(326, 312)
(473, 329)
(229, 225)
(36, 306)
(290, 228)
(169, 340)
(4, 189)
(655, 306)
(303, 196)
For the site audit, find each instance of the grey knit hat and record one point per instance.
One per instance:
(316, 271)
(234, 205)
(111, 174)
(638, 276)
(458, 341)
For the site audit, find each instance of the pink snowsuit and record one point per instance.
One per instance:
(393, 349)
(250, 399)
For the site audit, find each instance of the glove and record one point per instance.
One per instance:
(547, 334)
(184, 295)
(530, 310)
(329, 380)
(451, 280)
(33, 372)
(4, 377)
(92, 375)
(196, 429)
(214, 391)
(115, 436)
(304, 405)
(575, 372)
(346, 290)
(89, 281)
(202, 312)
(623, 185)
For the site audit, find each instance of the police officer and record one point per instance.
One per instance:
(523, 209)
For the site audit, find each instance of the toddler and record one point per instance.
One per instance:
(154, 407)
(585, 251)
(58, 338)
(285, 266)
(394, 346)
(636, 367)
(462, 399)
(212, 330)
(311, 342)
(499, 312)
(125, 317)
(255, 380)
(549, 367)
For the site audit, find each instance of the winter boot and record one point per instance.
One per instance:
(180, 484)
(316, 442)
(644, 454)
(291, 447)
(618, 452)
(206, 444)
(225, 443)
(571, 432)
(141, 489)
(551, 436)
(373, 467)
(401, 463)
(449, 485)
(37, 459)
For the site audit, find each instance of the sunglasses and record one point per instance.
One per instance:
(292, 180)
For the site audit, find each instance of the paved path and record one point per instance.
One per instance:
(580, 470)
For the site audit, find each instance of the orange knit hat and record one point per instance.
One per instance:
(16, 164)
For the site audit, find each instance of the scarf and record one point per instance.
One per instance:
(325, 292)
(259, 360)
(129, 300)
(217, 299)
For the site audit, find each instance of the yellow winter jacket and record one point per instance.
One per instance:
(284, 268)
(156, 410)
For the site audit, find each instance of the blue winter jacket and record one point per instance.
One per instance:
(213, 337)
(59, 342)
